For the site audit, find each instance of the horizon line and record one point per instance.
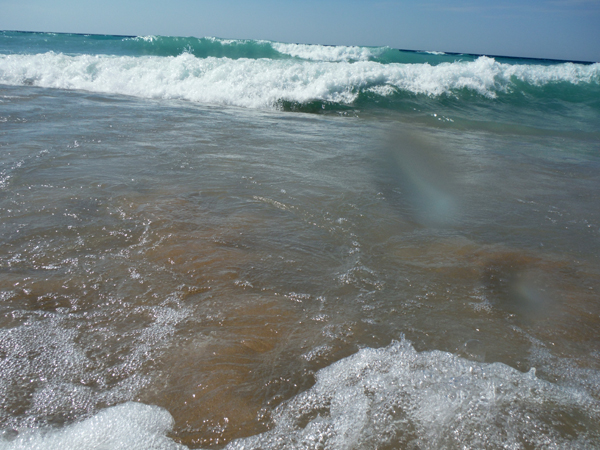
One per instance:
(326, 45)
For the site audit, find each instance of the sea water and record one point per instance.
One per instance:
(253, 244)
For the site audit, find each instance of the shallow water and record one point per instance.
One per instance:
(228, 264)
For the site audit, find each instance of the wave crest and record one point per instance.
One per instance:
(265, 83)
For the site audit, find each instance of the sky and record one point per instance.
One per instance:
(556, 29)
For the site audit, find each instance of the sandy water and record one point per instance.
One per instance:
(211, 260)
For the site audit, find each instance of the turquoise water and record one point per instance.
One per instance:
(310, 78)
(212, 243)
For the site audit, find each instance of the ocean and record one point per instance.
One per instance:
(240, 244)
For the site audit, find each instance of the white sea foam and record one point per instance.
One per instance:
(129, 426)
(397, 397)
(53, 372)
(391, 397)
(327, 52)
(263, 83)
(149, 38)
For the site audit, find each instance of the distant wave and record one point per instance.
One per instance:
(204, 47)
(329, 53)
(257, 49)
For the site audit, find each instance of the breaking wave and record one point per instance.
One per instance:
(269, 83)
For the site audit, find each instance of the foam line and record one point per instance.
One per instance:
(264, 83)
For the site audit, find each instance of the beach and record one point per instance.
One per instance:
(249, 244)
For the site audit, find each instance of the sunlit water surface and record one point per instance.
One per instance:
(211, 260)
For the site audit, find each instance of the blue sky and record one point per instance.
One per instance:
(562, 29)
